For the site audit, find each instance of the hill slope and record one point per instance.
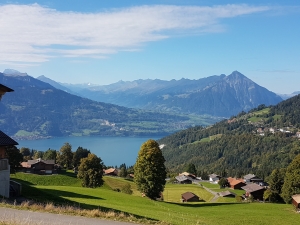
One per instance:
(37, 109)
(257, 142)
(215, 95)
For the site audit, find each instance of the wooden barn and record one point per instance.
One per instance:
(39, 166)
(189, 197)
(296, 201)
(254, 190)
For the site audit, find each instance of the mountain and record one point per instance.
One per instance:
(54, 84)
(37, 110)
(286, 96)
(221, 96)
(255, 142)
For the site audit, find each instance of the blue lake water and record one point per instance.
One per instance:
(112, 150)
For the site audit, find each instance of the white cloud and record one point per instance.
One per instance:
(35, 34)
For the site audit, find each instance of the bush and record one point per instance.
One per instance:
(126, 189)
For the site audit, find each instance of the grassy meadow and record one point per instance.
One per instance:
(171, 210)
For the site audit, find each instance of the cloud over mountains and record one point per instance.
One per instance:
(32, 34)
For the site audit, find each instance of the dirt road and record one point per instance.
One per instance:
(24, 217)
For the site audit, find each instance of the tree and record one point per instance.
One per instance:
(223, 182)
(191, 168)
(14, 157)
(90, 171)
(65, 156)
(26, 153)
(122, 172)
(79, 154)
(276, 181)
(291, 184)
(126, 188)
(38, 154)
(149, 170)
(50, 154)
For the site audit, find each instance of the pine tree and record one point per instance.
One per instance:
(291, 184)
(149, 170)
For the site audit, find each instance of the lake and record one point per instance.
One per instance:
(112, 150)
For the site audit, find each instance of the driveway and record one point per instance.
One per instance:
(23, 217)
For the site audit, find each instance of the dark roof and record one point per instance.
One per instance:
(226, 193)
(249, 176)
(34, 161)
(214, 176)
(3, 88)
(252, 188)
(6, 140)
(183, 178)
(188, 195)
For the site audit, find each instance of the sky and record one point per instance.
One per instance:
(103, 42)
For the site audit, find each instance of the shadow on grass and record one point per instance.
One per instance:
(195, 205)
(44, 196)
(21, 181)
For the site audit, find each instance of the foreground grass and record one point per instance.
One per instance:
(170, 212)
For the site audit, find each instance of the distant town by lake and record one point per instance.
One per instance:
(112, 150)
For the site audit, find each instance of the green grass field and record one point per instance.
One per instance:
(171, 210)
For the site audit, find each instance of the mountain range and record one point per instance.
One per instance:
(221, 96)
(37, 110)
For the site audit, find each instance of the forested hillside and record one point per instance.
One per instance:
(255, 142)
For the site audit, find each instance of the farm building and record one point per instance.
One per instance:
(184, 179)
(227, 194)
(235, 183)
(254, 190)
(189, 197)
(296, 201)
(39, 166)
(111, 172)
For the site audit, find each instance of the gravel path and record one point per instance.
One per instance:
(23, 217)
(216, 196)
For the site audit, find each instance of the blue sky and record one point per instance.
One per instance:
(105, 41)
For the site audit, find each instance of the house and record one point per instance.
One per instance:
(214, 178)
(189, 197)
(111, 172)
(188, 175)
(5, 141)
(252, 178)
(254, 190)
(296, 201)
(298, 134)
(227, 194)
(236, 183)
(182, 179)
(39, 166)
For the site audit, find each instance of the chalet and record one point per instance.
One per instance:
(5, 142)
(111, 172)
(39, 166)
(214, 178)
(188, 175)
(189, 197)
(254, 190)
(236, 183)
(252, 178)
(227, 194)
(182, 179)
(296, 201)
